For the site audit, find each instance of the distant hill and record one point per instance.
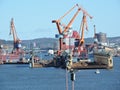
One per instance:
(43, 43)
(114, 40)
(52, 43)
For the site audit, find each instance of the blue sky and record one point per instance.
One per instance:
(33, 18)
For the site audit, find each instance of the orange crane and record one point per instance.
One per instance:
(58, 22)
(17, 41)
(63, 29)
(83, 24)
(82, 50)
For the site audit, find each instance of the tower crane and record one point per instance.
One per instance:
(17, 41)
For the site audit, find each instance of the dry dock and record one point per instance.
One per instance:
(75, 65)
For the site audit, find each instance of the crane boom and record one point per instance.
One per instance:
(58, 22)
(68, 12)
(83, 23)
(71, 21)
(13, 31)
(85, 12)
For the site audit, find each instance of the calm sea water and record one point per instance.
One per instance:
(21, 77)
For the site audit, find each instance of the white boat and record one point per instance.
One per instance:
(97, 71)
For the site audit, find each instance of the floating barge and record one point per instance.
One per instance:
(101, 61)
(12, 59)
(77, 65)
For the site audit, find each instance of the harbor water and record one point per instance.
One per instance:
(21, 77)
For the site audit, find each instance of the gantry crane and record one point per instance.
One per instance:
(17, 41)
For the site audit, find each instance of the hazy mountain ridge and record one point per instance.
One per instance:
(46, 43)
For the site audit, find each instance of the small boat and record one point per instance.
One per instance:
(97, 71)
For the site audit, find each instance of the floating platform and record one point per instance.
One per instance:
(91, 65)
(102, 60)
(75, 65)
(16, 63)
